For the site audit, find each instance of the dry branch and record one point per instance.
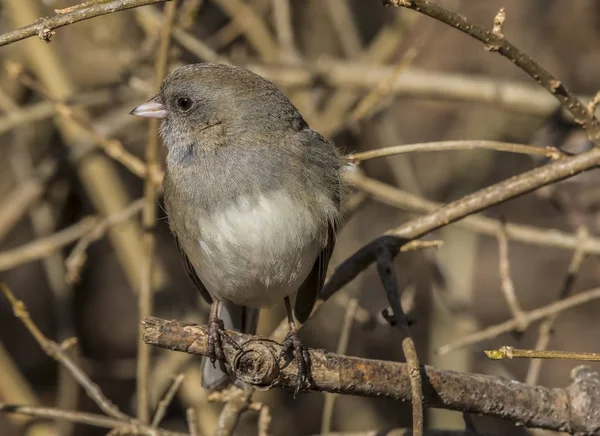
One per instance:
(44, 27)
(496, 42)
(468, 205)
(572, 409)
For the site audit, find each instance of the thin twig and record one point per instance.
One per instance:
(237, 401)
(507, 285)
(45, 26)
(477, 223)
(164, 403)
(529, 317)
(498, 43)
(385, 268)
(456, 210)
(76, 260)
(340, 15)
(365, 106)
(507, 352)
(549, 152)
(20, 199)
(87, 419)
(342, 346)
(56, 352)
(282, 17)
(192, 421)
(256, 30)
(545, 329)
(145, 297)
(45, 246)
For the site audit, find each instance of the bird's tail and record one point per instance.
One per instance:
(238, 318)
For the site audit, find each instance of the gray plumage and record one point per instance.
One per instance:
(251, 192)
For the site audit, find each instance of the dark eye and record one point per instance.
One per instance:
(184, 103)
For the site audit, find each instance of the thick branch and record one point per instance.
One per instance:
(43, 27)
(256, 362)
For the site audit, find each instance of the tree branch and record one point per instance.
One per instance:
(495, 42)
(44, 26)
(256, 362)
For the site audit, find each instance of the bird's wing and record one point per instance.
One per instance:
(310, 289)
(193, 276)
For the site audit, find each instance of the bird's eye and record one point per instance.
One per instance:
(184, 103)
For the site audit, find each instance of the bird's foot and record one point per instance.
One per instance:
(292, 346)
(216, 336)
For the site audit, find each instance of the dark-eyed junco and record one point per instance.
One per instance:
(252, 195)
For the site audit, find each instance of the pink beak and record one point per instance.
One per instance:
(153, 108)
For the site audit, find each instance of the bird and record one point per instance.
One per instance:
(252, 195)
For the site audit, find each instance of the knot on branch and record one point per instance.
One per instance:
(585, 407)
(257, 364)
(45, 33)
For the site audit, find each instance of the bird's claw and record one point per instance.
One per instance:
(292, 346)
(216, 336)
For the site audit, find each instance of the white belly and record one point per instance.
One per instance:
(258, 251)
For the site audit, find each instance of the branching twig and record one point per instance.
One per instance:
(497, 42)
(468, 205)
(56, 352)
(76, 259)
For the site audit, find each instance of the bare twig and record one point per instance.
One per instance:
(477, 223)
(42, 247)
(340, 14)
(20, 199)
(256, 30)
(498, 43)
(56, 352)
(256, 363)
(529, 317)
(545, 329)
(164, 403)
(76, 259)
(451, 212)
(342, 346)
(86, 418)
(385, 268)
(550, 152)
(192, 421)
(237, 401)
(45, 26)
(507, 352)
(146, 294)
(404, 432)
(282, 17)
(507, 285)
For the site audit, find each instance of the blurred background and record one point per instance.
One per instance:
(426, 82)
